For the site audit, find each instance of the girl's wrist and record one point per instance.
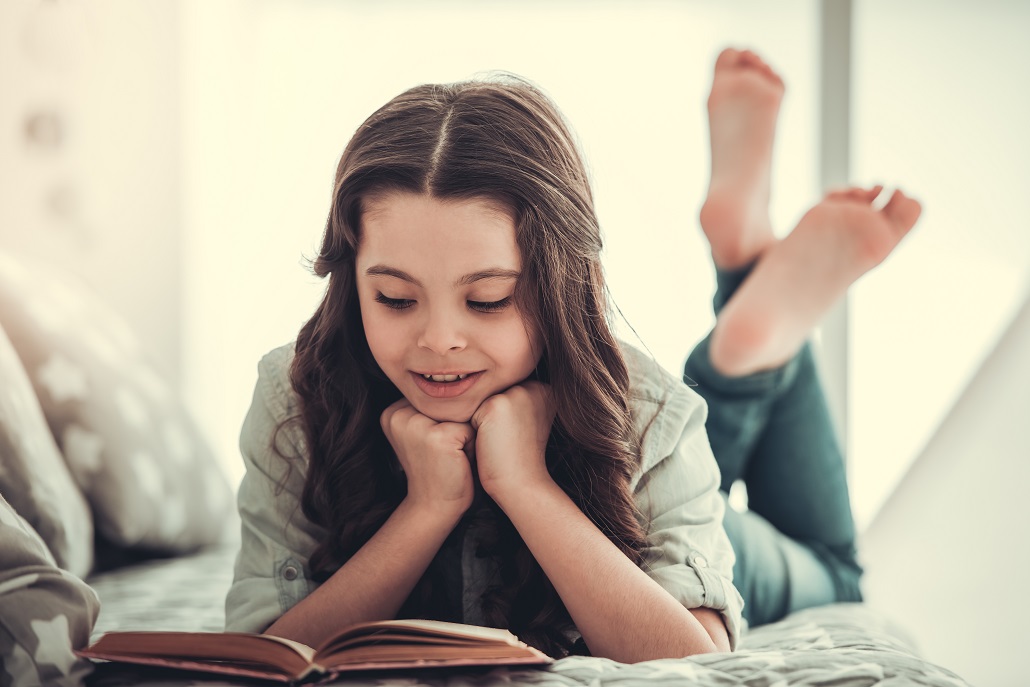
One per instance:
(509, 493)
(445, 514)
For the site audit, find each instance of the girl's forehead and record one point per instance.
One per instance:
(422, 229)
(397, 202)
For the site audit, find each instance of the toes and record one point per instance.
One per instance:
(727, 58)
(902, 211)
(871, 194)
(731, 58)
(855, 194)
(846, 193)
(752, 59)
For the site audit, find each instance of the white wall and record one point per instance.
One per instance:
(941, 107)
(99, 194)
(941, 104)
(948, 549)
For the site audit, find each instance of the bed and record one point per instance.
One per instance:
(842, 644)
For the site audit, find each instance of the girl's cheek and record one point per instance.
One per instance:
(513, 342)
(384, 337)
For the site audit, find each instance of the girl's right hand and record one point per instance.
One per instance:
(433, 456)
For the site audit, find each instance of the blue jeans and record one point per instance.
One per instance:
(795, 545)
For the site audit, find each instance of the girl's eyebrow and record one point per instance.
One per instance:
(384, 271)
(491, 273)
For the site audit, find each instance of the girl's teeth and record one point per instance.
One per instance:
(444, 378)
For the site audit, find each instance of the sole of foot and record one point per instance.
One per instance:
(743, 106)
(800, 278)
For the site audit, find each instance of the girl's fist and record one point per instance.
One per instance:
(433, 456)
(512, 429)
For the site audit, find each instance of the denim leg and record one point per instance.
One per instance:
(764, 429)
(738, 408)
(796, 478)
(774, 574)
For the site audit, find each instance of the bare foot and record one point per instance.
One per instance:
(742, 111)
(799, 278)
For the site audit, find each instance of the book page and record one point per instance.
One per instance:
(415, 631)
(284, 654)
(383, 653)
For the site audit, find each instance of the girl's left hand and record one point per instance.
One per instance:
(511, 437)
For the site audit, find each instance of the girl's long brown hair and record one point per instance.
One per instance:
(505, 141)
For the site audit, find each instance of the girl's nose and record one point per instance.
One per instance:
(442, 334)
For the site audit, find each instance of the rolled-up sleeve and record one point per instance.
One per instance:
(677, 493)
(271, 574)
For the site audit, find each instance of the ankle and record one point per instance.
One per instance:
(736, 232)
(731, 347)
(743, 346)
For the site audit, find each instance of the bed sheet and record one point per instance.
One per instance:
(842, 645)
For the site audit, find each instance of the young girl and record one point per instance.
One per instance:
(456, 433)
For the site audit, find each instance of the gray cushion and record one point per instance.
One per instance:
(139, 460)
(33, 477)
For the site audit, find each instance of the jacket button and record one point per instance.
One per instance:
(700, 562)
(290, 573)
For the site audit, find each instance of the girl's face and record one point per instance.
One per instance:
(435, 282)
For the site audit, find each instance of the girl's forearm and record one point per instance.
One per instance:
(375, 582)
(621, 612)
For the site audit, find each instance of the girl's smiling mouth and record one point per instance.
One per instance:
(445, 385)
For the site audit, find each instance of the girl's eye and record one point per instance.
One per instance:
(492, 306)
(395, 303)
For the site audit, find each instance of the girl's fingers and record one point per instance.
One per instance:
(393, 408)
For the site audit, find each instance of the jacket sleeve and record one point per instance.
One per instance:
(677, 494)
(271, 573)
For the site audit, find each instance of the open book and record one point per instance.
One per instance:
(389, 644)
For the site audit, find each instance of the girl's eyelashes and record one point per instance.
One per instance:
(395, 303)
(478, 306)
(492, 306)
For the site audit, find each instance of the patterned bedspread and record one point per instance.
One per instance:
(841, 645)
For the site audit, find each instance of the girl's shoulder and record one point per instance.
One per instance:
(274, 382)
(272, 425)
(651, 384)
(663, 408)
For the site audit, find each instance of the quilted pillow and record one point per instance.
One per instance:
(32, 475)
(139, 460)
(45, 612)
